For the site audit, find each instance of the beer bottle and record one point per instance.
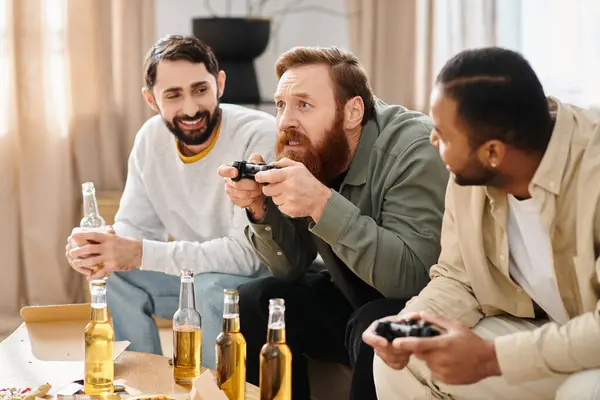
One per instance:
(91, 221)
(99, 344)
(231, 350)
(275, 379)
(187, 333)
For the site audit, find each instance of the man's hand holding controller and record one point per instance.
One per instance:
(245, 193)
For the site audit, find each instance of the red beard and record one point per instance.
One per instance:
(326, 160)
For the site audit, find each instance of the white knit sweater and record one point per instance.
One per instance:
(164, 196)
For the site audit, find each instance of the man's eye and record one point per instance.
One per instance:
(304, 105)
(279, 104)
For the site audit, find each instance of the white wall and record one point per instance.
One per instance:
(308, 28)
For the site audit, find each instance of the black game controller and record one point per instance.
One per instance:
(414, 328)
(248, 170)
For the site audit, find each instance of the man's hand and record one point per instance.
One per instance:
(245, 193)
(102, 253)
(456, 357)
(390, 353)
(72, 244)
(294, 189)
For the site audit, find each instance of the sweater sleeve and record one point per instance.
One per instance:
(136, 216)
(231, 254)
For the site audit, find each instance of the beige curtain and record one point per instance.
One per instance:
(403, 43)
(70, 105)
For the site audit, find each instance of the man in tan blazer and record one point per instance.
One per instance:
(516, 285)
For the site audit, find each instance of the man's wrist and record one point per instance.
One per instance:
(492, 367)
(257, 211)
(139, 251)
(320, 204)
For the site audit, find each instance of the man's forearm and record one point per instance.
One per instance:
(285, 246)
(230, 255)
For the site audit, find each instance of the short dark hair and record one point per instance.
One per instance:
(178, 47)
(498, 96)
(348, 76)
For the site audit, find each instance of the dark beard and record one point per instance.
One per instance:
(325, 160)
(199, 136)
(476, 174)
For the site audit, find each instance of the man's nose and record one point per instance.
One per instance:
(287, 120)
(190, 108)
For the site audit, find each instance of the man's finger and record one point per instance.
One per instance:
(286, 162)
(394, 362)
(90, 262)
(256, 158)
(241, 194)
(99, 274)
(245, 185)
(419, 345)
(241, 202)
(273, 190)
(85, 251)
(227, 171)
(373, 339)
(90, 237)
(83, 271)
(438, 320)
(414, 315)
(271, 176)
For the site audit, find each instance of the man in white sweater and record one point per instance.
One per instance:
(173, 189)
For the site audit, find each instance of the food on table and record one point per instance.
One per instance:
(24, 393)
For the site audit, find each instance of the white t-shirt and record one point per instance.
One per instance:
(531, 262)
(164, 196)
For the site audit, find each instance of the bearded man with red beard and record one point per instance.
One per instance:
(361, 186)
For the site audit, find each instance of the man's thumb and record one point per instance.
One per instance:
(256, 158)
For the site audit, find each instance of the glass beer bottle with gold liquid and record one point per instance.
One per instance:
(187, 333)
(231, 350)
(275, 381)
(99, 344)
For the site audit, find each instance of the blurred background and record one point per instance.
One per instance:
(71, 78)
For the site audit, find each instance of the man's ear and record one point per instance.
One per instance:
(354, 110)
(221, 78)
(149, 97)
(492, 153)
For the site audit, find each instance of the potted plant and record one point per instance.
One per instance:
(238, 41)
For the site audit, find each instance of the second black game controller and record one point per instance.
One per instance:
(249, 170)
(392, 330)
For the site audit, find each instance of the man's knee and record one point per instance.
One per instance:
(362, 318)
(257, 293)
(583, 385)
(384, 378)
(122, 294)
(209, 290)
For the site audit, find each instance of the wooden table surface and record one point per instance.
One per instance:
(152, 374)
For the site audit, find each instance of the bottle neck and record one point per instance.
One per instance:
(100, 314)
(276, 335)
(98, 303)
(231, 313)
(187, 298)
(276, 327)
(90, 205)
